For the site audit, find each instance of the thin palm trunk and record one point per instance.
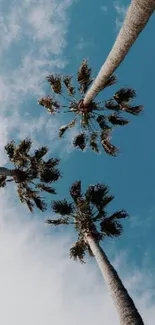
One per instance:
(127, 311)
(6, 172)
(136, 19)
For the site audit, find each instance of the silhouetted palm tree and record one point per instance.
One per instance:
(94, 121)
(137, 16)
(88, 213)
(31, 173)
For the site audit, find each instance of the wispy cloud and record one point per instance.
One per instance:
(40, 284)
(121, 10)
(104, 8)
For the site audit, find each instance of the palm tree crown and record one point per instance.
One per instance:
(31, 173)
(87, 212)
(95, 123)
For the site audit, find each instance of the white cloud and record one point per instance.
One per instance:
(121, 10)
(41, 285)
(104, 8)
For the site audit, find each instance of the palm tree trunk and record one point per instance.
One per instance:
(136, 19)
(6, 172)
(127, 311)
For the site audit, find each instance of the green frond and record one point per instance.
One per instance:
(55, 83)
(63, 129)
(110, 104)
(75, 191)
(46, 188)
(3, 181)
(101, 120)
(80, 141)
(93, 142)
(57, 222)
(63, 207)
(115, 119)
(40, 153)
(134, 110)
(78, 251)
(111, 81)
(10, 148)
(124, 95)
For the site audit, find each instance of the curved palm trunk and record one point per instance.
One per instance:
(5, 171)
(127, 311)
(136, 18)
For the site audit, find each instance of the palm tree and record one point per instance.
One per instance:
(31, 173)
(137, 16)
(94, 123)
(88, 213)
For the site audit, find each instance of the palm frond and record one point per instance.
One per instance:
(80, 141)
(109, 148)
(84, 76)
(111, 81)
(75, 191)
(49, 175)
(101, 120)
(78, 251)
(52, 162)
(20, 176)
(111, 228)
(124, 95)
(134, 110)
(24, 146)
(62, 207)
(93, 142)
(121, 214)
(46, 188)
(40, 153)
(40, 203)
(63, 129)
(115, 119)
(96, 194)
(55, 83)
(57, 222)
(10, 149)
(110, 104)
(3, 181)
(50, 104)
(68, 84)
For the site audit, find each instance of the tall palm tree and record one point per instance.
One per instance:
(137, 16)
(88, 213)
(95, 125)
(31, 173)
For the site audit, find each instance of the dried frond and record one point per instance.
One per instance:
(63, 129)
(109, 148)
(55, 82)
(110, 104)
(124, 95)
(115, 119)
(68, 84)
(73, 106)
(106, 133)
(93, 142)
(134, 110)
(80, 141)
(75, 191)
(62, 207)
(111, 81)
(78, 250)
(84, 76)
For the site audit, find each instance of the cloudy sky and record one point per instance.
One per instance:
(39, 283)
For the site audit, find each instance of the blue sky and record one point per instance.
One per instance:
(38, 37)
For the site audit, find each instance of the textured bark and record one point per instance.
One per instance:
(136, 19)
(127, 311)
(6, 172)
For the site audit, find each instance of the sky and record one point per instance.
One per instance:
(39, 283)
